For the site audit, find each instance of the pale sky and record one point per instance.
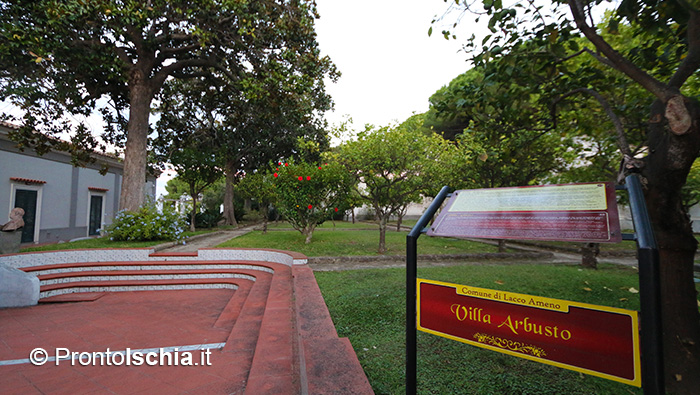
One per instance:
(390, 66)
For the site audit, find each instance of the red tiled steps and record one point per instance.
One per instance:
(328, 363)
(275, 366)
(61, 279)
(282, 337)
(147, 265)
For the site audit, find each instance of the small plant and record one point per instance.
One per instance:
(146, 224)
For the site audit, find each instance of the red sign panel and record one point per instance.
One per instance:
(597, 340)
(575, 212)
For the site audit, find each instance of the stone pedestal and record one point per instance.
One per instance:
(10, 241)
(17, 288)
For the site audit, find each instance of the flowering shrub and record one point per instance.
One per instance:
(146, 224)
(308, 195)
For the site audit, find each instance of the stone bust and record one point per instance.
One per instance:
(16, 220)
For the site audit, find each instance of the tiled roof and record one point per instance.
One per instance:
(27, 181)
(10, 125)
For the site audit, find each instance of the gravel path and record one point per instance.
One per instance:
(211, 240)
(207, 240)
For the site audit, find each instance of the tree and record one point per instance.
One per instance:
(308, 195)
(662, 65)
(62, 57)
(257, 119)
(196, 167)
(394, 165)
(261, 188)
(269, 124)
(506, 131)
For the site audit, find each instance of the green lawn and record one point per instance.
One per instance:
(368, 306)
(104, 242)
(622, 246)
(327, 225)
(353, 242)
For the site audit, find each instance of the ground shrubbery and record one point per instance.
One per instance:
(146, 224)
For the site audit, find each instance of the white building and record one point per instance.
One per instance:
(61, 202)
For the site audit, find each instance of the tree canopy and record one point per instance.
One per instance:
(61, 58)
(660, 69)
(395, 165)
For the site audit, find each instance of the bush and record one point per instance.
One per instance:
(146, 224)
(207, 219)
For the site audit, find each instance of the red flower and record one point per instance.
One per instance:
(286, 164)
(336, 209)
(319, 167)
(275, 175)
(280, 163)
(310, 206)
(278, 169)
(308, 178)
(301, 178)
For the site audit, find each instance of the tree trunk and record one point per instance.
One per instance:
(589, 255)
(264, 210)
(667, 166)
(135, 154)
(398, 222)
(382, 232)
(193, 215)
(352, 210)
(308, 232)
(502, 245)
(229, 215)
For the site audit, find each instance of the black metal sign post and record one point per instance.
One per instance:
(411, 277)
(649, 289)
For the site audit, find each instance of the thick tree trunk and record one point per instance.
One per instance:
(589, 255)
(229, 215)
(135, 154)
(666, 170)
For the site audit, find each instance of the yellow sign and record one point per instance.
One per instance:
(597, 340)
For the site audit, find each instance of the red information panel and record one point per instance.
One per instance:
(575, 212)
(596, 340)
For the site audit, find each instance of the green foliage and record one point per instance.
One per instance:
(691, 190)
(396, 164)
(146, 224)
(308, 195)
(213, 196)
(206, 219)
(259, 187)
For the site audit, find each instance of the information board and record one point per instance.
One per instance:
(575, 212)
(596, 340)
